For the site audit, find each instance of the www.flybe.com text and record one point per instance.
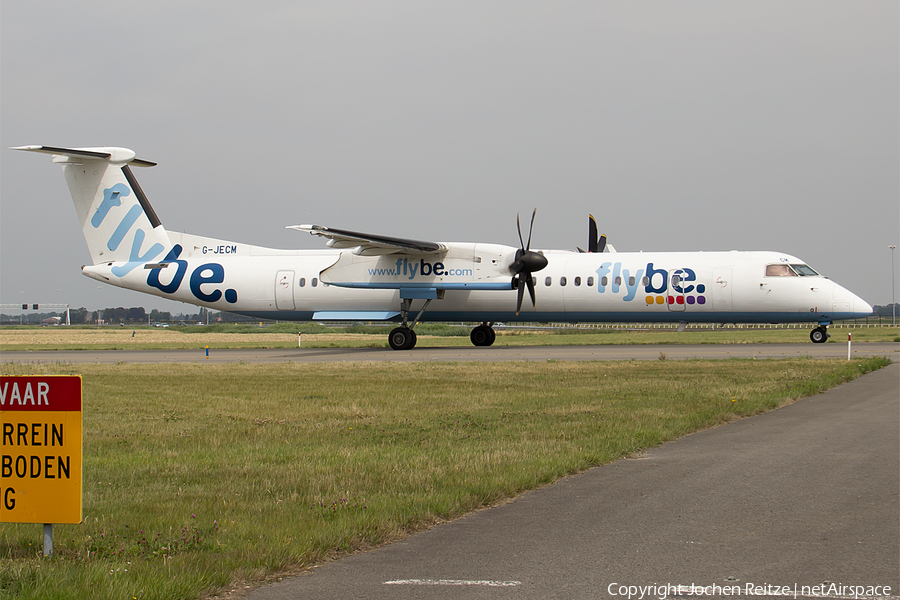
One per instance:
(406, 268)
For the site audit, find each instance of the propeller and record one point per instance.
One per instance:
(595, 244)
(526, 263)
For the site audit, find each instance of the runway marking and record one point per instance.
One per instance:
(453, 582)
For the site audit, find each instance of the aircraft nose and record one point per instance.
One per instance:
(848, 301)
(861, 307)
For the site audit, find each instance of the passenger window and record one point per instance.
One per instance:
(604, 281)
(303, 282)
(618, 281)
(631, 281)
(645, 281)
(779, 271)
(590, 282)
(577, 281)
(548, 281)
(562, 281)
(314, 282)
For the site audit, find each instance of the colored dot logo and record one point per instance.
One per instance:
(679, 299)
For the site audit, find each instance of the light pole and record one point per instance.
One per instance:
(893, 301)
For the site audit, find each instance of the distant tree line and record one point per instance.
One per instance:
(885, 311)
(136, 315)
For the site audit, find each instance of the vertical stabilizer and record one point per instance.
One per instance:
(118, 223)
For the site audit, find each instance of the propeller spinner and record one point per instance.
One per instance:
(526, 263)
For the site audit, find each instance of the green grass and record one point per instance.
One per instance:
(429, 335)
(199, 478)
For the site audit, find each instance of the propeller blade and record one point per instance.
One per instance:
(601, 243)
(530, 229)
(519, 227)
(521, 294)
(592, 235)
(530, 283)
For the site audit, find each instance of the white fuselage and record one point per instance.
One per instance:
(472, 282)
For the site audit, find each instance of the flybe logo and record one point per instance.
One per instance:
(112, 197)
(410, 269)
(675, 287)
(208, 275)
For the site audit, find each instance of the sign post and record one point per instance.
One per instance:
(40, 463)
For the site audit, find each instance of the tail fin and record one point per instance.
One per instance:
(118, 223)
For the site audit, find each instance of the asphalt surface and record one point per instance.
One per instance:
(807, 495)
(465, 353)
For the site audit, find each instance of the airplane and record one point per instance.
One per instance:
(365, 277)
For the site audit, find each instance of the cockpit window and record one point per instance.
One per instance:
(780, 271)
(804, 270)
(783, 270)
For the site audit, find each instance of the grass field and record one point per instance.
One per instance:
(284, 335)
(199, 479)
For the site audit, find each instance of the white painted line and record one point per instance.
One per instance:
(451, 582)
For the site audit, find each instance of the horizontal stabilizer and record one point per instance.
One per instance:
(113, 155)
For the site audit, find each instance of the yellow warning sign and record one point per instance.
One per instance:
(40, 453)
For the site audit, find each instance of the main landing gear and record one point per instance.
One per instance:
(403, 337)
(483, 335)
(819, 335)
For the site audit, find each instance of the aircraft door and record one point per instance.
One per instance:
(721, 288)
(284, 290)
(675, 300)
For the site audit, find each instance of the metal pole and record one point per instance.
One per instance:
(48, 539)
(893, 287)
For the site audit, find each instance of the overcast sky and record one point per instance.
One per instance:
(679, 125)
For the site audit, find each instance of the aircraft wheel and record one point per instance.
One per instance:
(819, 335)
(402, 338)
(482, 336)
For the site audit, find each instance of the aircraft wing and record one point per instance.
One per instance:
(368, 244)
